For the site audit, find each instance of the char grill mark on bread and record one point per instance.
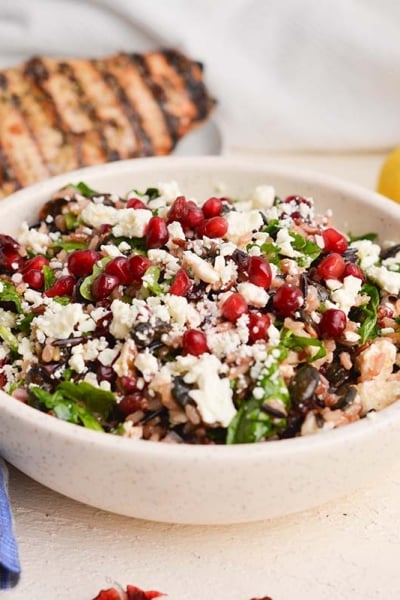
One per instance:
(191, 74)
(160, 98)
(108, 72)
(57, 115)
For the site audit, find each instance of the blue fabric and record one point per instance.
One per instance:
(9, 559)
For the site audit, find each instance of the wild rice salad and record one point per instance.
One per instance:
(156, 317)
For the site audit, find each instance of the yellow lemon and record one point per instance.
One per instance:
(389, 176)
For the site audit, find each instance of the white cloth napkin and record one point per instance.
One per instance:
(299, 74)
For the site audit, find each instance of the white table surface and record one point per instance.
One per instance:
(347, 549)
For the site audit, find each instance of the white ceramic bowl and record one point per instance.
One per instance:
(202, 484)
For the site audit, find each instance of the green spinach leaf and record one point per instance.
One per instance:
(369, 328)
(258, 418)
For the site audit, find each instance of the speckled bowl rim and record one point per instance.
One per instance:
(376, 424)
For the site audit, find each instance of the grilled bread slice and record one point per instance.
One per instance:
(57, 115)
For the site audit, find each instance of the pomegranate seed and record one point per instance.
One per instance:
(138, 266)
(136, 203)
(194, 342)
(331, 266)
(62, 287)
(334, 241)
(182, 284)
(157, 233)
(130, 403)
(259, 271)
(103, 285)
(216, 227)
(288, 299)
(120, 267)
(178, 210)
(105, 228)
(355, 270)
(34, 278)
(193, 216)
(10, 260)
(234, 307)
(258, 326)
(212, 207)
(80, 262)
(128, 384)
(37, 262)
(333, 323)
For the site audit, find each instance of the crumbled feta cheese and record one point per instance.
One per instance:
(345, 295)
(132, 223)
(26, 350)
(124, 247)
(111, 250)
(7, 318)
(274, 336)
(387, 280)
(214, 396)
(262, 197)
(147, 364)
(164, 258)
(181, 311)
(227, 270)
(253, 294)
(175, 232)
(77, 363)
(240, 224)
(91, 378)
(99, 214)
(284, 242)
(227, 248)
(33, 239)
(108, 355)
(63, 321)
(126, 222)
(367, 252)
(124, 316)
